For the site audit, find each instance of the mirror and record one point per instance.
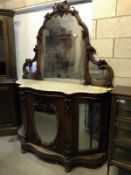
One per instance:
(45, 120)
(63, 49)
(124, 108)
(89, 126)
(2, 53)
(98, 76)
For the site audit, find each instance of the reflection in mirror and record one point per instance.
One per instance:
(123, 132)
(2, 54)
(89, 125)
(45, 122)
(31, 68)
(98, 76)
(63, 50)
(123, 156)
(124, 108)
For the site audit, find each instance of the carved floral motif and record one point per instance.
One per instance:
(61, 8)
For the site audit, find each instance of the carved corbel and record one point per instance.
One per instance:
(102, 65)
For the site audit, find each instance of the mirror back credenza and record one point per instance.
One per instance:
(65, 94)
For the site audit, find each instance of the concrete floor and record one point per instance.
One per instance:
(13, 162)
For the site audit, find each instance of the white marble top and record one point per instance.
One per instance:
(66, 88)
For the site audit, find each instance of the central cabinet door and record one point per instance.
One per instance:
(46, 121)
(49, 124)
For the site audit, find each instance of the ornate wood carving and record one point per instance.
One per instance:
(95, 160)
(103, 65)
(61, 9)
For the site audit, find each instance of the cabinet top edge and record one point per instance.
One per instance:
(7, 12)
(8, 81)
(121, 90)
(66, 88)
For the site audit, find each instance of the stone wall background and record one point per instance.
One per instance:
(111, 36)
(111, 33)
(16, 4)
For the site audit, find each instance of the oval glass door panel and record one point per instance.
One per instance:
(2, 51)
(63, 52)
(46, 122)
(89, 126)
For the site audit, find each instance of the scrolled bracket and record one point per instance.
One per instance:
(47, 16)
(74, 12)
(28, 69)
(102, 65)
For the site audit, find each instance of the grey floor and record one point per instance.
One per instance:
(13, 162)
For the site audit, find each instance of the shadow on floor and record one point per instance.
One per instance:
(124, 172)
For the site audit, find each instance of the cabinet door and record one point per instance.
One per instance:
(45, 115)
(124, 108)
(7, 105)
(121, 154)
(89, 125)
(4, 55)
(92, 114)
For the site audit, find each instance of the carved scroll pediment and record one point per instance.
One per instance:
(61, 8)
(63, 50)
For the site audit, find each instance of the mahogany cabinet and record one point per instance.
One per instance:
(120, 129)
(69, 128)
(8, 87)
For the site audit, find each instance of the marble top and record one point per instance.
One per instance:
(66, 88)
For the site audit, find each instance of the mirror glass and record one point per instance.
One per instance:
(63, 49)
(2, 51)
(45, 120)
(89, 125)
(124, 108)
(98, 76)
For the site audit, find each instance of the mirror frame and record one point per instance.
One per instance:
(61, 9)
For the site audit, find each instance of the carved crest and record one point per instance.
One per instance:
(61, 8)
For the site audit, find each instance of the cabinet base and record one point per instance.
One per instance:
(4, 131)
(90, 161)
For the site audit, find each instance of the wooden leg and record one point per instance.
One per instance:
(108, 168)
(23, 148)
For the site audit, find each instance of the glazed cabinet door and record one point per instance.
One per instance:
(121, 136)
(7, 46)
(8, 111)
(8, 106)
(45, 121)
(4, 54)
(93, 117)
(120, 129)
(89, 126)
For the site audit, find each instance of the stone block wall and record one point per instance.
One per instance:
(111, 36)
(16, 4)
